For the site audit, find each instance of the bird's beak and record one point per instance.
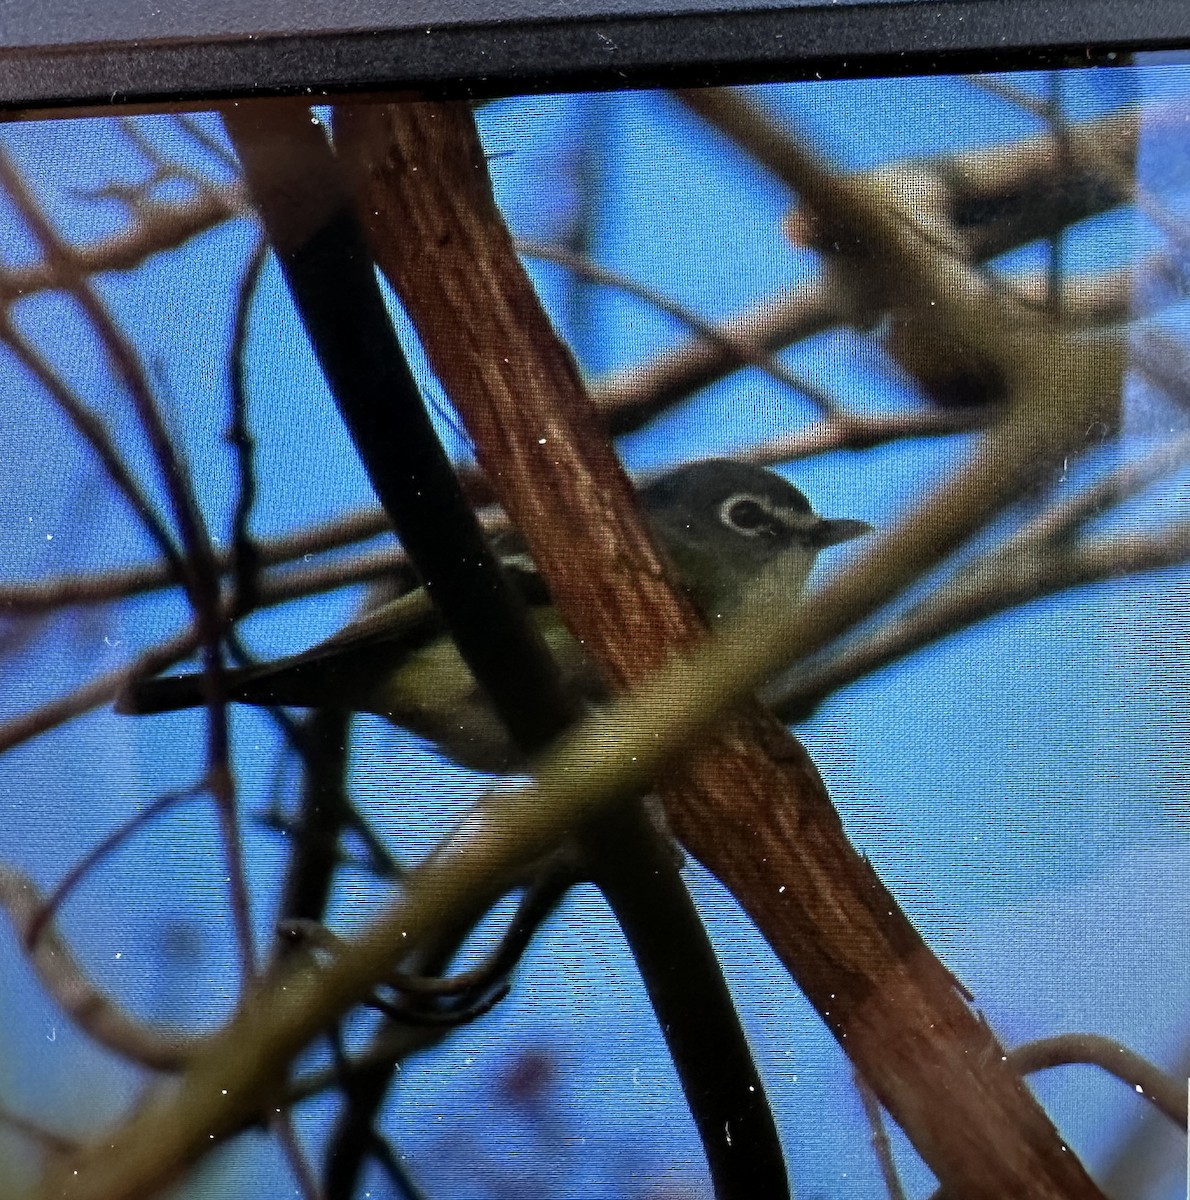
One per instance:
(831, 531)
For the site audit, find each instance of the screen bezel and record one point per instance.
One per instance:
(584, 50)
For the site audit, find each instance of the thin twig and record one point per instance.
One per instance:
(1136, 1160)
(881, 1145)
(166, 224)
(93, 430)
(75, 875)
(1121, 483)
(1162, 359)
(739, 349)
(1038, 560)
(189, 123)
(364, 1088)
(245, 554)
(1002, 585)
(160, 225)
(102, 689)
(451, 1017)
(63, 979)
(863, 431)
(285, 1132)
(122, 583)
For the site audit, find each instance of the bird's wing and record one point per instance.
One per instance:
(350, 661)
(411, 621)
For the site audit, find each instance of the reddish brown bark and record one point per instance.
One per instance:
(752, 806)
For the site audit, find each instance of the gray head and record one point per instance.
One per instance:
(725, 522)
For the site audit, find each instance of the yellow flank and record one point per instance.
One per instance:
(434, 694)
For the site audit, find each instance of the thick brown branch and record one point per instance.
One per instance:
(426, 219)
(754, 809)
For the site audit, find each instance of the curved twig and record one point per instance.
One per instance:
(63, 978)
(1165, 1092)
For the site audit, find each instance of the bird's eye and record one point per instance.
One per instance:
(748, 516)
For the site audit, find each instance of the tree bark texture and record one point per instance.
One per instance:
(750, 804)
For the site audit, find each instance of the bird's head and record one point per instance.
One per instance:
(727, 523)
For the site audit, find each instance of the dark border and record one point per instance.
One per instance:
(897, 37)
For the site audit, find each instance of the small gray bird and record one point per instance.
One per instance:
(725, 524)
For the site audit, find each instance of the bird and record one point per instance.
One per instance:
(725, 524)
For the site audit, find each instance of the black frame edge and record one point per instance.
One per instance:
(898, 37)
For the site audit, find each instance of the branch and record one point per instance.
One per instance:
(881, 1145)
(862, 431)
(976, 177)
(198, 571)
(160, 225)
(1038, 560)
(631, 397)
(754, 810)
(1006, 195)
(738, 351)
(122, 583)
(244, 551)
(286, 1134)
(64, 980)
(995, 585)
(83, 866)
(423, 189)
(1135, 1162)
(365, 1081)
(1167, 1093)
(100, 690)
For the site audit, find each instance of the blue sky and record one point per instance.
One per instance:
(1020, 786)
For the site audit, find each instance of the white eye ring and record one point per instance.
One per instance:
(749, 515)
